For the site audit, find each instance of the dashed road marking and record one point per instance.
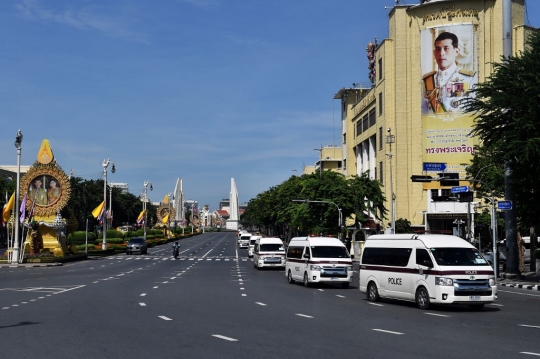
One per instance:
(262, 304)
(224, 337)
(378, 305)
(529, 326)
(437, 315)
(388, 331)
(305, 316)
(142, 304)
(529, 353)
(164, 317)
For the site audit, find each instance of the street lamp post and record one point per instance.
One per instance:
(391, 139)
(146, 183)
(15, 255)
(105, 165)
(169, 195)
(320, 159)
(340, 218)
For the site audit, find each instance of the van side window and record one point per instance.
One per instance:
(423, 259)
(256, 247)
(395, 257)
(295, 252)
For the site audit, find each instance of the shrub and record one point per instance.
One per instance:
(79, 237)
(111, 240)
(82, 247)
(112, 233)
(150, 237)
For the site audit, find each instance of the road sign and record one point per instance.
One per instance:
(504, 205)
(420, 178)
(460, 189)
(434, 166)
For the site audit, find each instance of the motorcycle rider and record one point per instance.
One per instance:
(176, 248)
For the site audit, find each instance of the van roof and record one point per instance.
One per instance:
(429, 240)
(270, 240)
(319, 241)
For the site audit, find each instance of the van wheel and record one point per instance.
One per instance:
(476, 306)
(422, 298)
(372, 292)
(345, 285)
(289, 277)
(306, 280)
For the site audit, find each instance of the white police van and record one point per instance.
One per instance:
(268, 252)
(318, 259)
(427, 269)
(244, 240)
(252, 241)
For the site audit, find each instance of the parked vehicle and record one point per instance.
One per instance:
(501, 245)
(244, 240)
(268, 252)
(318, 259)
(136, 244)
(426, 269)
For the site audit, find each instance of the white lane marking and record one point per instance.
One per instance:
(156, 287)
(259, 303)
(341, 296)
(387, 331)
(5, 308)
(224, 337)
(529, 353)
(530, 295)
(143, 294)
(378, 305)
(437, 315)
(320, 290)
(244, 295)
(529, 326)
(497, 305)
(241, 288)
(305, 316)
(142, 304)
(164, 317)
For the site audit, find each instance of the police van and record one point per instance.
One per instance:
(318, 259)
(268, 252)
(252, 241)
(426, 269)
(244, 240)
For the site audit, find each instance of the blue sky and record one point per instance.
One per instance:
(203, 90)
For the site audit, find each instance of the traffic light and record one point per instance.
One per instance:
(449, 179)
(466, 196)
(420, 178)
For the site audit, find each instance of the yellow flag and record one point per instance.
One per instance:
(98, 211)
(141, 216)
(166, 199)
(8, 208)
(165, 219)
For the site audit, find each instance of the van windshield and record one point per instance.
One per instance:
(272, 247)
(252, 242)
(329, 252)
(458, 257)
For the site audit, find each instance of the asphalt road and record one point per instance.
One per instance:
(212, 303)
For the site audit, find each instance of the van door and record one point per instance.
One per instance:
(304, 265)
(423, 273)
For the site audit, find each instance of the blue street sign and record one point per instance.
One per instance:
(504, 205)
(460, 189)
(434, 166)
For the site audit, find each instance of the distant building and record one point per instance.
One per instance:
(330, 159)
(124, 187)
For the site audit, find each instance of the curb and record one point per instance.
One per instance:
(523, 286)
(55, 264)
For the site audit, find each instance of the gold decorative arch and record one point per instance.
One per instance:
(48, 186)
(163, 211)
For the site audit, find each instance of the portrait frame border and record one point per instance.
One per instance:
(51, 169)
(171, 212)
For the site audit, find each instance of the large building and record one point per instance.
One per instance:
(410, 121)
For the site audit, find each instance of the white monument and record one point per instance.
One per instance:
(232, 222)
(178, 203)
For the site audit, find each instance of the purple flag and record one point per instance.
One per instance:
(23, 209)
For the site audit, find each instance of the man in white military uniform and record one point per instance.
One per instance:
(445, 88)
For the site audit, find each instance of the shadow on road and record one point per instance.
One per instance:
(18, 325)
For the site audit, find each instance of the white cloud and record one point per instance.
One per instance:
(82, 19)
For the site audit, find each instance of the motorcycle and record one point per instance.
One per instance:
(175, 252)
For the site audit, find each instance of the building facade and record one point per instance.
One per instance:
(411, 117)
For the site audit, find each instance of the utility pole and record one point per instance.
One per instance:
(146, 183)
(391, 139)
(105, 165)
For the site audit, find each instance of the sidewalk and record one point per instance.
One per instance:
(529, 280)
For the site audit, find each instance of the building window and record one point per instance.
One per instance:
(380, 137)
(380, 104)
(380, 69)
(344, 164)
(344, 138)
(381, 178)
(339, 164)
(372, 117)
(358, 128)
(365, 123)
(434, 193)
(446, 192)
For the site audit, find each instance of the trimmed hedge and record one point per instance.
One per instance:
(111, 240)
(112, 233)
(79, 237)
(82, 247)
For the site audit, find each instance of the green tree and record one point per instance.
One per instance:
(506, 110)
(403, 226)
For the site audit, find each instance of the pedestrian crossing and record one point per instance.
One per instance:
(190, 258)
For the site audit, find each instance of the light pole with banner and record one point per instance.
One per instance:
(105, 165)
(15, 255)
(146, 183)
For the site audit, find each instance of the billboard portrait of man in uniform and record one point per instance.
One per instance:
(445, 86)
